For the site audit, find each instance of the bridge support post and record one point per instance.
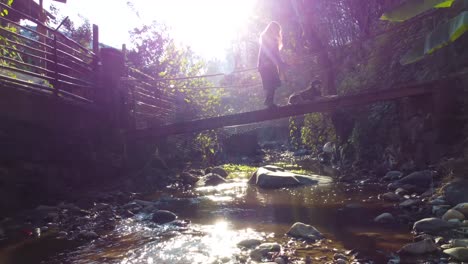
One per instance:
(111, 96)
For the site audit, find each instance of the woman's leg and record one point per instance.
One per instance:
(269, 96)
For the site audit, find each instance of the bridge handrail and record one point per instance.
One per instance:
(46, 59)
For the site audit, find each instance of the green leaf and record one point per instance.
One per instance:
(412, 8)
(440, 37)
(459, 26)
(446, 33)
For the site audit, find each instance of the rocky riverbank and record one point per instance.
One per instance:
(432, 203)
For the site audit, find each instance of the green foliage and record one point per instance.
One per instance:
(412, 8)
(317, 130)
(207, 144)
(295, 124)
(239, 170)
(441, 36)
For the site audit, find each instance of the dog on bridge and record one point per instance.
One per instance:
(307, 95)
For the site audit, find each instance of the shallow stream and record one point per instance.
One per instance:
(222, 216)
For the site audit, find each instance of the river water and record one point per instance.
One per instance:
(222, 216)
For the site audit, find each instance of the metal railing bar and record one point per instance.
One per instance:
(26, 64)
(75, 60)
(74, 84)
(78, 72)
(23, 82)
(26, 53)
(90, 56)
(159, 98)
(27, 39)
(27, 72)
(149, 100)
(75, 96)
(40, 23)
(25, 28)
(70, 78)
(29, 47)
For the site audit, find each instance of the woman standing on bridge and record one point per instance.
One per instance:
(269, 60)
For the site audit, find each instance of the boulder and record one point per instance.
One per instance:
(272, 177)
(163, 217)
(462, 242)
(419, 178)
(458, 253)
(421, 247)
(453, 214)
(431, 225)
(455, 192)
(249, 243)
(211, 179)
(462, 208)
(263, 249)
(188, 178)
(385, 218)
(220, 171)
(392, 176)
(301, 230)
(390, 197)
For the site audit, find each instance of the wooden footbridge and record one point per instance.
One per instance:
(321, 104)
(49, 79)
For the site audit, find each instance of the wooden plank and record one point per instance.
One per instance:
(324, 104)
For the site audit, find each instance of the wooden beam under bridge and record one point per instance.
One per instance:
(323, 104)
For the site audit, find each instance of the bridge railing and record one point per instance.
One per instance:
(148, 102)
(41, 59)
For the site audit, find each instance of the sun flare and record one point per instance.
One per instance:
(208, 26)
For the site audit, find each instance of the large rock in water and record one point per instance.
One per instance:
(431, 225)
(211, 179)
(419, 178)
(420, 247)
(305, 231)
(163, 216)
(274, 177)
(455, 192)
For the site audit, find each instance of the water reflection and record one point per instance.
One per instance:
(224, 215)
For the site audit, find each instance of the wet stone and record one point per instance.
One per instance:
(249, 243)
(263, 249)
(420, 247)
(390, 197)
(88, 235)
(453, 214)
(385, 218)
(459, 242)
(462, 208)
(392, 176)
(431, 225)
(301, 230)
(163, 216)
(459, 253)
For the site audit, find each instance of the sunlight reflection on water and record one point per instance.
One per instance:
(211, 244)
(228, 213)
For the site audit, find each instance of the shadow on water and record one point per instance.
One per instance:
(224, 215)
